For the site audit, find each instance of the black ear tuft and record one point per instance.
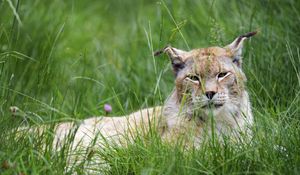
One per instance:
(235, 48)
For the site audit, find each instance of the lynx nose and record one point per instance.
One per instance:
(210, 94)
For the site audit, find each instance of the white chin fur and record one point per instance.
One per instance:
(218, 111)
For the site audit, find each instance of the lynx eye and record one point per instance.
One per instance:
(194, 78)
(222, 75)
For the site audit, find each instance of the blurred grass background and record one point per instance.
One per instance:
(66, 59)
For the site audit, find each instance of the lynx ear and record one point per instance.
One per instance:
(235, 48)
(176, 56)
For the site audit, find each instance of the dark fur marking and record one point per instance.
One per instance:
(177, 67)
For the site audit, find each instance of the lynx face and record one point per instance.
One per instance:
(209, 79)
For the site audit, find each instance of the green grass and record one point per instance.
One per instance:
(62, 60)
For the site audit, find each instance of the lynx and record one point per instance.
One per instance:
(209, 84)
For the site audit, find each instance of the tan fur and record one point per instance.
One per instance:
(114, 130)
(182, 109)
(187, 112)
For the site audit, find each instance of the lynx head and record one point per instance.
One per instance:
(209, 78)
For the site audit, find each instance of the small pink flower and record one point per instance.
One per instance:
(107, 108)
